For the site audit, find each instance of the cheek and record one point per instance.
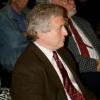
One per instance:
(58, 38)
(54, 39)
(23, 4)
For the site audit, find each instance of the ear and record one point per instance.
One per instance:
(42, 35)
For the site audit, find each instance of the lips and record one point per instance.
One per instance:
(63, 39)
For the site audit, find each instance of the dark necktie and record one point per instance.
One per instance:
(21, 23)
(73, 93)
(81, 44)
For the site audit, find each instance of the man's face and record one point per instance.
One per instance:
(20, 4)
(54, 39)
(69, 5)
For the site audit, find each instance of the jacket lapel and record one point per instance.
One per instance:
(50, 71)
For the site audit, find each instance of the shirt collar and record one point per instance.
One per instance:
(46, 51)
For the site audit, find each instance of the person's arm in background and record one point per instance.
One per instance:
(12, 42)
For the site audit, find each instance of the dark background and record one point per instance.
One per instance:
(88, 9)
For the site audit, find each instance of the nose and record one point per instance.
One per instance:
(64, 31)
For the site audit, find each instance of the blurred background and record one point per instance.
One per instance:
(88, 9)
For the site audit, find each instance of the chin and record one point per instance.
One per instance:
(71, 13)
(62, 45)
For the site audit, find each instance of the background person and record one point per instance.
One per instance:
(89, 66)
(13, 41)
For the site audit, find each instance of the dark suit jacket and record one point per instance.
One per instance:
(85, 65)
(34, 77)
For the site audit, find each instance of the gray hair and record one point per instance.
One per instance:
(38, 20)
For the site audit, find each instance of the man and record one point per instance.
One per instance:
(12, 34)
(92, 63)
(89, 66)
(38, 75)
(12, 28)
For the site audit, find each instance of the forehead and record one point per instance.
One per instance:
(57, 20)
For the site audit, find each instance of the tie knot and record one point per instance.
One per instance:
(70, 21)
(55, 56)
(58, 61)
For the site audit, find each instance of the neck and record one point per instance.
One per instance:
(15, 8)
(45, 45)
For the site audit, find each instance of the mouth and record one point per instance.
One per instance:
(63, 40)
(74, 7)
